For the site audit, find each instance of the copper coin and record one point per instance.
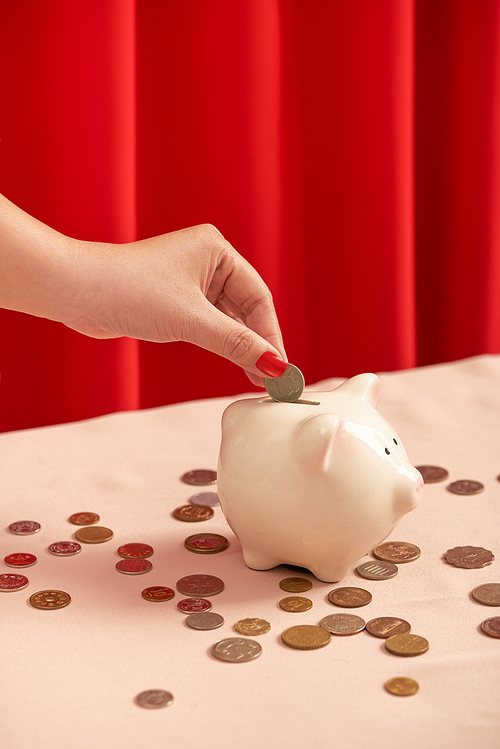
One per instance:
(465, 487)
(252, 627)
(9, 582)
(135, 551)
(489, 594)
(296, 604)
(84, 518)
(342, 624)
(377, 570)
(191, 605)
(387, 626)
(401, 686)
(491, 627)
(133, 566)
(193, 513)
(432, 474)
(397, 552)
(206, 543)
(204, 620)
(158, 593)
(209, 499)
(153, 699)
(349, 598)
(295, 584)
(200, 477)
(469, 557)
(24, 527)
(306, 637)
(50, 600)
(236, 650)
(64, 548)
(20, 560)
(200, 585)
(406, 645)
(94, 534)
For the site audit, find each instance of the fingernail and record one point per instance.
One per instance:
(270, 364)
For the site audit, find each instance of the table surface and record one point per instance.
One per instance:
(70, 677)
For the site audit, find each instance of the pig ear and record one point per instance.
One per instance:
(364, 386)
(313, 442)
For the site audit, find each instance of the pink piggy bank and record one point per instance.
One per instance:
(318, 486)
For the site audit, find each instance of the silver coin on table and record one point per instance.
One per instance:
(200, 477)
(465, 487)
(9, 582)
(133, 566)
(24, 527)
(154, 698)
(342, 624)
(236, 650)
(432, 474)
(288, 388)
(204, 620)
(209, 499)
(377, 570)
(193, 605)
(64, 548)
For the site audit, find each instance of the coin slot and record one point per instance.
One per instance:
(307, 403)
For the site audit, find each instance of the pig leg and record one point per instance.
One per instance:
(257, 561)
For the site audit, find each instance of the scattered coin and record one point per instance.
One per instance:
(158, 593)
(288, 388)
(50, 599)
(133, 566)
(236, 650)
(200, 585)
(84, 518)
(135, 551)
(204, 620)
(349, 598)
(20, 560)
(342, 624)
(94, 534)
(252, 626)
(491, 627)
(306, 637)
(64, 548)
(209, 499)
(9, 582)
(154, 699)
(377, 570)
(466, 487)
(191, 605)
(432, 474)
(296, 604)
(200, 477)
(401, 686)
(397, 552)
(387, 626)
(206, 543)
(489, 594)
(295, 584)
(406, 645)
(469, 557)
(24, 527)
(193, 513)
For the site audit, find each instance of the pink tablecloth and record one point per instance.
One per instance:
(69, 677)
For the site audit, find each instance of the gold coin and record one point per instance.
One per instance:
(397, 552)
(50, 599)
(295, 584)
(296, 604)
(84, 518)
(406, 645)
(306, 637)
(252, 626)
(94, 534)
(402, 686)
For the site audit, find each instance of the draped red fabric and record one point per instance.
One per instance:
(349, 150)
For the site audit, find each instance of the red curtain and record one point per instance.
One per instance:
(348, 149)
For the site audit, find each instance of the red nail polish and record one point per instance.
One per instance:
(270, 364)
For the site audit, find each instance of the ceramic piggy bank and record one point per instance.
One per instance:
(317, 486)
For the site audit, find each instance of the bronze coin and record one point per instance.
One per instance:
(397, 552)
(432, 474)
(306, 637)
(465, 487)
(157, 593)
(295, 584)
(252, 627)
(488, 594)
(349, 598)
(84, 518)
(401, 686)
(469, 557)
(50, 600)
(406, 645)
(94, 534)
(206, 543)
(200, 585)
(387, 626)
(491, 627)
(296, 604)
(193, 513)
(200, 477)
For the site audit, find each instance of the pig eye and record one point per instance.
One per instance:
(387, 451)
(395, 440)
